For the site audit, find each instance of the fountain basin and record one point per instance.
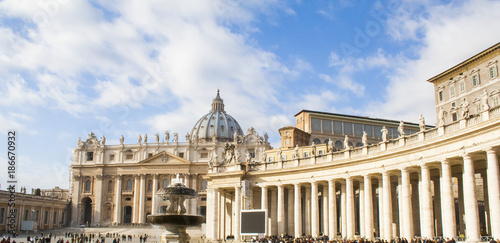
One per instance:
(176, 219)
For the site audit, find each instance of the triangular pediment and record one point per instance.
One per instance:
(165, 158)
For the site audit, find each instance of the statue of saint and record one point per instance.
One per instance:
(145, 138)
(313, 148)
(264, 155)
(384, 134)
(422, 123)
(103, 140)
(139, 139)
(441, 116)
(465, 109)
(484, 101)
(247, 157)
(176, 137)
(157, 137)
(167, 136)
(330, 145)
(346, 142)
(280, 157)
(401, 129)
(235, 137)
(80, 142)
(296, 151)
(364, 139)
(188, 138)
(266, 137)
(122, 139)
(237, 156)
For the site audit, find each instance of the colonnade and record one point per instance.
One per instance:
(426, 199)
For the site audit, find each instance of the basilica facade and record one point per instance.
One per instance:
(114, 184)
(429, 182)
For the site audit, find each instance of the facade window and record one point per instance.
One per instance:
(316, 141)
(321, 152)
(453, 105)
(441, 96)
(252, 153)
(129, 156)
(110, 186)
(204, 155)
(90, 156)
(165, 183)
(306, 154)
(203, 185)
(283, 157)
(452, 90)
(287, 141)
(454, 116)
(461, 86)
(475, 80)
(294, 156)
(493, 71)
(150, 186)
(87, 186)
(270, 159)
(112, 157)
(495, 100)
(150, 155)
(181, 155)
(128, 185)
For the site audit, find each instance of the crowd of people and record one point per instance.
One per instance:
(325, 239)
(70, 237)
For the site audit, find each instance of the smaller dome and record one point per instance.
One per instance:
(216, 123)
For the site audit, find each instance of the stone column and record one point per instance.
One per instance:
(298, 211)
(273, 211)
(135, 210)
(368, 215)
(263, 203)
(470, 201)
(361, 209)
(213, 214)
(142, 199)
(314, 209)
(406, 207)
(387, 195)
(493, 178)
(281, 209)
(381, 210)
(427, 222)
(237, 216)
(343, 202)
(290, 212)
(325, 209)
(350, 208)
(153, 197)
(98, 200)
(307, 213)
(332, 210)
(447, 201)
(118, 200)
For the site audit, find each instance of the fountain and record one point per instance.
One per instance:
(174, 219)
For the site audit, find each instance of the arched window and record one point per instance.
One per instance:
(150, 186)
(128, 186)
(110, 186)
(359, 144)
(326, 140)
(203, 185)
(87, 186)
(339, 145)
(165, 183)
(316, 141)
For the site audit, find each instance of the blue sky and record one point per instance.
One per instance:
(127, 67)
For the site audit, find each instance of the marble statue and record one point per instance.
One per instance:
(91, 135)
(157, 137)
(346, 142)
(330, 145)
(228, 152)
(188, 139)
(235, 137)
(296, 151)
(266, 137)
(465, 109)
(139, 139)
(401, 129)
(176, 137)
(247, 157)
(421, 123)
(80, 142)
(313, 148)
(280, 157)
(122, 139)
(484, 101)
(384, 134)
(145, 138)
(214, 138)
(264, 155)
(237, 156)
(441, 116)
(364, 139)
(167, 136)
(103, 140)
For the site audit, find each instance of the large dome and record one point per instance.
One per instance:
(216, 123)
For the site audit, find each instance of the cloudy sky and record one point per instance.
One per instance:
(68, 67)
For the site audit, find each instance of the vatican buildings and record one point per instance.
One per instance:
(415, 181)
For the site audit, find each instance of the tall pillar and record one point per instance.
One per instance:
(135, 211)
(263, 203)
(387, 195)
(332, 210)
(153, 198)
(314, 209)
(343, 202)
(75, 200)
(307, 213)
(98, 200)
(406, 207)
(290, 212)
(142, 199)
(214, 214)
(298, 211)
(237, 216)
(437, 207)
(381, 216)
(350, 208)
(361, 209)
(470, 201)
(281, 209)
(426, 212)
(368, 215)
(118, 200)
(325, 210)
(273, 211)
(493, 178)
(447, 201)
